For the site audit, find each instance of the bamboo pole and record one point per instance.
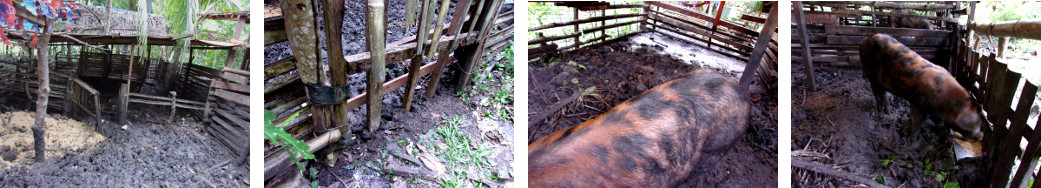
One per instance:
(410, 12)
(1027, 29)
(473, 19)
(417, 61)
(440, 24)
(280, 161)
(376, 38)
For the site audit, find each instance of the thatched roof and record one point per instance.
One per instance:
(123, 22)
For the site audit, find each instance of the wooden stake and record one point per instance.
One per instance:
(440, 24)
(376, 40)
(765, 34)
(1001, 46)
(577, 37)
(334, 12)
(715, 22)
(417, 61)
(442, 59)
(475, 58)
(800, 17)
(474, 18)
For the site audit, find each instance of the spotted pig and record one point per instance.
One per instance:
(908, 21)
(656, 139)
(931, 90)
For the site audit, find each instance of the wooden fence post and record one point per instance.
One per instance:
(376, 28)
(334, 12)
(765, 34)
(173, 106)
(124, 90)
(800, 18)
(715, 22)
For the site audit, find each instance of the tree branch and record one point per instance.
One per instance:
(83, 43)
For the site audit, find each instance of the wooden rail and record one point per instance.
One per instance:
(86, 98)
(472, 24)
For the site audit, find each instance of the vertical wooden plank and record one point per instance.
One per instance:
(765, 34)
(800, 17)
(577, 37)
(1001, 46)
(603, 23)
(229, 61)
(1009, 146)
(475, 58)
(338, 69)
(473, 20)
(715, 22)
(123, 94)
(454, 27)
(376, 28)
(69, 93)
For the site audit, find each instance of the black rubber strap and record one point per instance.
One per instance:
(325, 96)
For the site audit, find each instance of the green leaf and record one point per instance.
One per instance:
(279, 136)
(954, 185)
(589, 90)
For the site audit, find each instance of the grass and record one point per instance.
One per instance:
(454, 147)
(492, 90)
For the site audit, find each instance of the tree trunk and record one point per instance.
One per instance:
(43, 72)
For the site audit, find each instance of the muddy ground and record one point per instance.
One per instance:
(620, 71)
(837, 125)
(149, 153)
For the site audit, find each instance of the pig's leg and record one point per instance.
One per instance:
(880, 98)
(917, 117)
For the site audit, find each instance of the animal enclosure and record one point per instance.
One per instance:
(317, 81)
(587, 57)
(833, 122)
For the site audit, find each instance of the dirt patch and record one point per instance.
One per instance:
(63, 136)
(621, 70)
(148, 153)
(839, 125)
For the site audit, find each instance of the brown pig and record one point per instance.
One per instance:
(931, 90)
(908, 21)
(656, 139)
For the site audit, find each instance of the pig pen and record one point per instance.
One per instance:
(621, 67)
(390, 155)
(838, 137)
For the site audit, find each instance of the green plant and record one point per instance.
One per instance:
(459, 152)
(314, 176)
(279, 136)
